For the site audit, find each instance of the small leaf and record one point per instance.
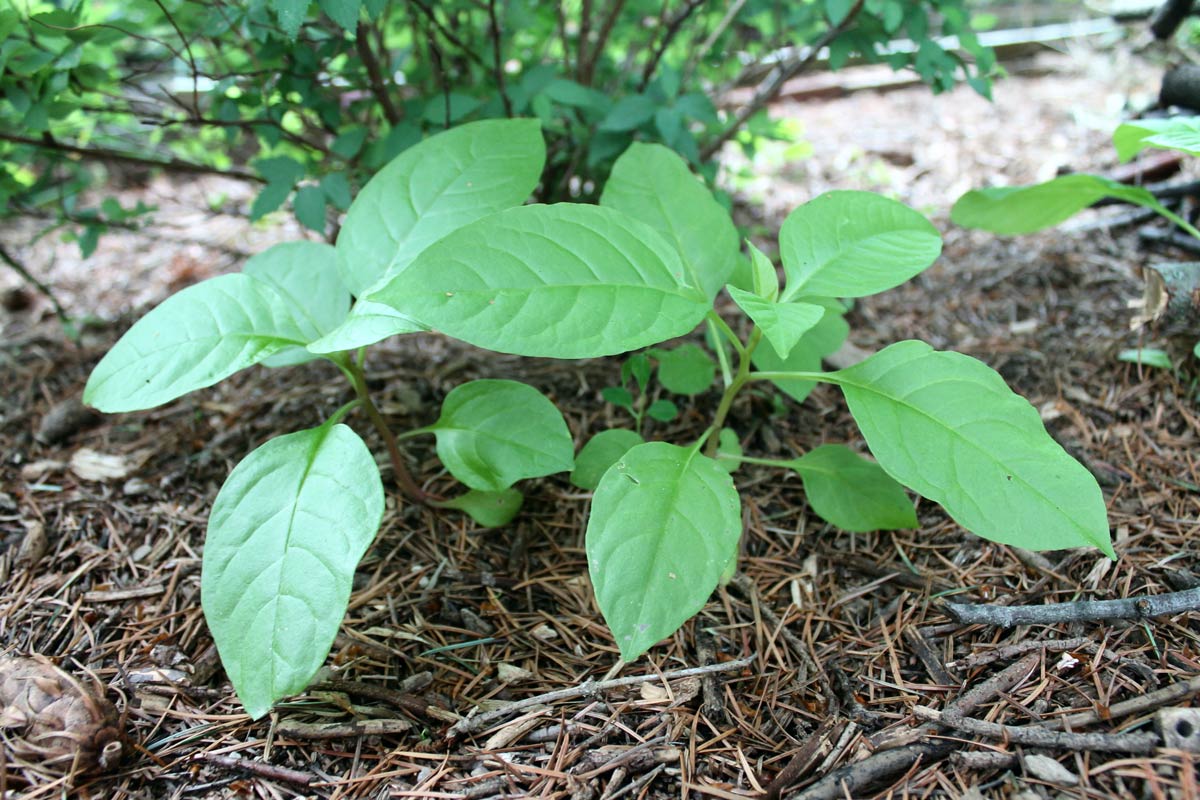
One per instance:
(637, 366)
(280, 169)
(337, 189)
(1025, 209)
(821, 340)
(191, 340)
(290, 14)
(305, 275)
(489, 509)
(853, 244)
(782, 323)
(662, 410)
(493, 433)
(343, 12)
(617, 395)
(728, 444)
(601, 452)
(630, 112)
(664, 526)
(433, 188)
(309, 205)
(270, 198)
(687, 369)
(1149, 356)
(561, 281)
(851, 492)
(948, 427)
(285, 535)
(764, 278)
(367, 323)
(1170, 133)
(349, 142)
(654, 185)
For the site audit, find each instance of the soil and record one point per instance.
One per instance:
(851, 648)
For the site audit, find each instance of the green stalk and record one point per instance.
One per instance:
(740, 379)
(404, 478)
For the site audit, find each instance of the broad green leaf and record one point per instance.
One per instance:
(782, 323)
(1150, 356)
(493, 433)
(852, 244)
(433, 188)
(851, 492)
(948, 427)
(822, 339)
(343, 12)
(310, 208)
(191, 340)
(601, 452)
(367, 323)
(664, 526)
(290, 14)
(686, 369)
(284, 537)
(1171, 133)
(654, 185)
(570, 93)
(630, 112)
(305, 275)
(563, 281)
(489, 509)
(1025, 209)
(662, 410)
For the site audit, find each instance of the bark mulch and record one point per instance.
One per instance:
(474, 664)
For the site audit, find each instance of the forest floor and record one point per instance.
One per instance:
(851, 651)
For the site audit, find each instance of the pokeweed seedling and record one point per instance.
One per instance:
(1027, 209)
(292, 521)
(645, 266)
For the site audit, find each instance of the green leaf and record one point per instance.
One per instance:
(280, 169)
(570, 93)
(493, 433)
(637, 366)
(664, 526)
(662, 410)
(349, 142)
(948, 427)
(1150, 356)
(367, 323)
(562, 281)
(270, 198)
(851, 492)
(1025, 209)
(618, 396)
(822, 339)
(309, 205)
(284, 537)
(1171, 133)
(337, 189)
(764, 278)
(630, 112)
(654, 185)
(191, 340)
(291, 15)
(852, 244)
(305, 276)
(837, 10)
(1196, 350)
(343, 12)
(782, 323)
(489, 509)
(601, 452)
(728, 444)
(433, 188)
(686, 369)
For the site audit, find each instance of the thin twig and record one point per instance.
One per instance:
(497, 59)
(586, 689)
(375, 75)
(1144, 607)
(20, 269)
(673, 28)
(1137, 705)
(773, 85)
(105, 154)
(700, 52)
(975, 660)
(587, 71)
(259, 768)
(1037, 736)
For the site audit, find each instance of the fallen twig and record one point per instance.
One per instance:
(1137, 705)
(1019, 649)
(259, 768)
(471, 724)
(1082, 611)
(342, 730)
(1038, 736)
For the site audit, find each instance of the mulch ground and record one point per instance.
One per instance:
(829, 659)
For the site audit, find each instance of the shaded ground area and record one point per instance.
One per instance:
(850, 650)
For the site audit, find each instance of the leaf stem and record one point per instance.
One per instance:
(721, 325)
(742, 377)
(722, 356)
(404, 478)
(819, 377)
(1178, 220)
